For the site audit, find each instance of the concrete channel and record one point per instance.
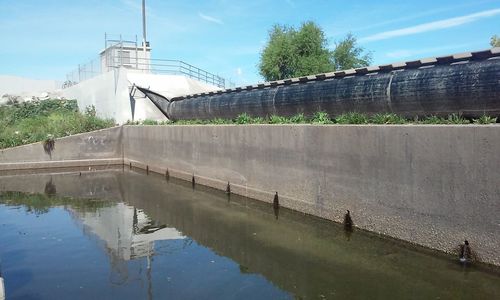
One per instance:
(431, 185)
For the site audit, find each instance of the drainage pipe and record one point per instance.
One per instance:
(466, 84)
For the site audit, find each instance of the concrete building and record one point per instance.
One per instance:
(106, 82)
(125, 53)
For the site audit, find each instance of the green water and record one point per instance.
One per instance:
(124, 235)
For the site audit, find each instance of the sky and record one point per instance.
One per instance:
(48, 39)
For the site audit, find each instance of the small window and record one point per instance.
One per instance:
(124, 56)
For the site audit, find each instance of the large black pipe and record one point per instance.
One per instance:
(469, 86)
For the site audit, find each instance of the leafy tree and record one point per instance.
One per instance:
(311, 49)
(292, 53)
(495, 41)
(348, 55)
(278, 59)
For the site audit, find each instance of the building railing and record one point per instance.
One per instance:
(169, 66)
(83, 72)
(145, 65)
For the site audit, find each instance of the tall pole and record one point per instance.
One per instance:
(144, 27)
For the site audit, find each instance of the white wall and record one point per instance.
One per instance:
(26, 87)
(109, 93)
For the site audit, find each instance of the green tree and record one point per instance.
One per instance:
(495, 41)
(278, 59)
(311, 51)
(347, 54)
(292, 53)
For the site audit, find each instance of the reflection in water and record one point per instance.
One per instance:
(168, 240)
(50, 188)
(276, 209)
(348, 221)
(127, 231)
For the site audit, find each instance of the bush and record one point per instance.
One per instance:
(31, 122)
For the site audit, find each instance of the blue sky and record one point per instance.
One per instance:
(46, 39)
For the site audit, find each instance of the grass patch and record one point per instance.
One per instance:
(484, 120)
(322, 117)
(352, 118)
(31, 122)
(387, 119)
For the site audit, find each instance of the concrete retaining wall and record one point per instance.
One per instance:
(430, 185)
(102, 147)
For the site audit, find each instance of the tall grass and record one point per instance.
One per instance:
(31, 122)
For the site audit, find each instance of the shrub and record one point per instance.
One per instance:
(31, 122)
(321, 117)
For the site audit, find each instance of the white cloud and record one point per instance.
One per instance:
(431, 26)
(239, 71)
(210, 18)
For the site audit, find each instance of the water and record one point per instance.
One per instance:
(124, 235)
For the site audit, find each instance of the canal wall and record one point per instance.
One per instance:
(97, 148)
(430, 185)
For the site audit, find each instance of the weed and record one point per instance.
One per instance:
(149, 122)
(274, 119)
(352, 118)
(243, 118)
(219, 121)
(31, 122)
(90, 111)
(298, 119)
(130, 122)
(389, 118)
(49, 144)
(485, 120)
(457, 119)
(259, 120)
(433, 120)
(321, 117)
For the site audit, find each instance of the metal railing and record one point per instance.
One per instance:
(169, 66)
(124, 51)
(145, 65)
(83, 72)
